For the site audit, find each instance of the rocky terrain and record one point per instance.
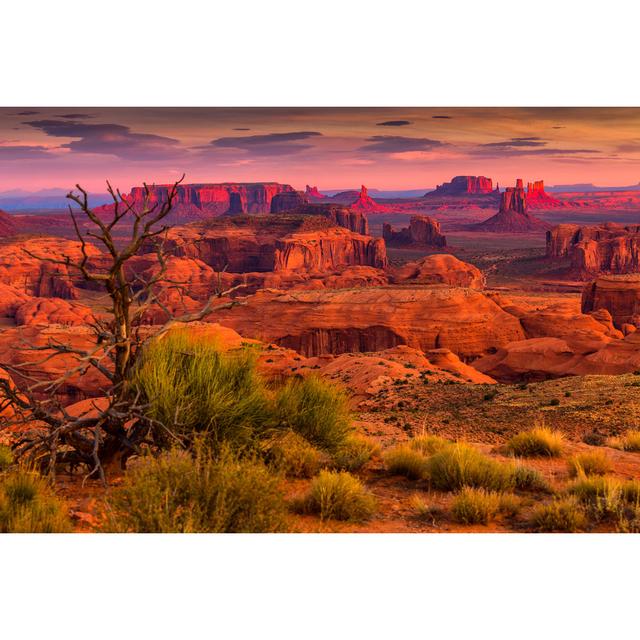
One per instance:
(422, 231)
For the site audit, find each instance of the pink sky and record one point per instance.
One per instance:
(385, 148)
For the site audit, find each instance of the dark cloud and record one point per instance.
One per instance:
(558, 126)
(270, 144)
(442, 117)
(110, 139)
(532, 141)
(24, 152)
(241, 129)
(26, 113)
(74, 116)
(630, 146)
(393, 123)
(398, 144)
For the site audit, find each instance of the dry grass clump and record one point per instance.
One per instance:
(538, 442)
(28, 505)
(527, 479)
(475, 506)
(182, 493)
(6, 458)
(629, 442)
(428, 444)
(460, 465)
(406, 461)
(338, 495)
(589, 464)
(291, 454)
(560, 516)
(354, 453)
(423, 510)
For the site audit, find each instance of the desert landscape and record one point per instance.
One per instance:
(259, 356)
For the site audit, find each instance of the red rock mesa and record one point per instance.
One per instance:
(464, 185)
(422, 230)
(538, 198)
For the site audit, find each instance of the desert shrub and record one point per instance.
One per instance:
(340, 496)
(527, 479)
(192, 387)
(475, 506)
(317, 411)
(540, 441)
(183, 493)
(356, 451)
(422, 509)
(28, 505)
(428, 444)
(6, 458)
(630, 441)
(291, 454)
(460, 465)
(589, 464)
(602, 496)
(405, 461)
(509, 504)
(560, 516)
(631, 491)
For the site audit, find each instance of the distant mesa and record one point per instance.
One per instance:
(513, 216)
(463, 185)
(366, 203)
(422, 230)
(312, 193)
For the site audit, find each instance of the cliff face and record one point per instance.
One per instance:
(286, 201)
(464, 185)
(277, 244)
(422, 230)
(619, 295)
(327, 251)
(7, 226)
(607, 248)
(513, 215)
(339, 215)
(202, 200)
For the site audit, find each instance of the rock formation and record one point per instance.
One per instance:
(440, 268)
(463, 185)
(512, 217)
(618, 294)
(7, 224)
(339, 321)
(338, 214)
(603, 249)
(312, 193)
(422, 230)
(286, 201)
(366, 203)
(538, 198)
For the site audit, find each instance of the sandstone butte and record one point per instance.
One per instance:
(422, 230)
(312, 193)
(463, 185)
(538, 198)
(338, 214)
(513, 216)
(366, 203)
(608, 248)
(195, 201)
(441, 268)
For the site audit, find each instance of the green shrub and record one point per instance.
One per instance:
(192, 387)
(406, 461)
(317, 411)
(509, 504)
(475, 506)
(527, 479)
(602, 496)
(560, 516)
(537, 442)
(588, 464)
(340, 496)
(291, 454)
(28, 505)
(423, 509)
(6, 458)
(631, 491)
(460, 465)
(356, 451)
(177, 492)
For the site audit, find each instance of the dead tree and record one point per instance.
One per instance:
(114, 427)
